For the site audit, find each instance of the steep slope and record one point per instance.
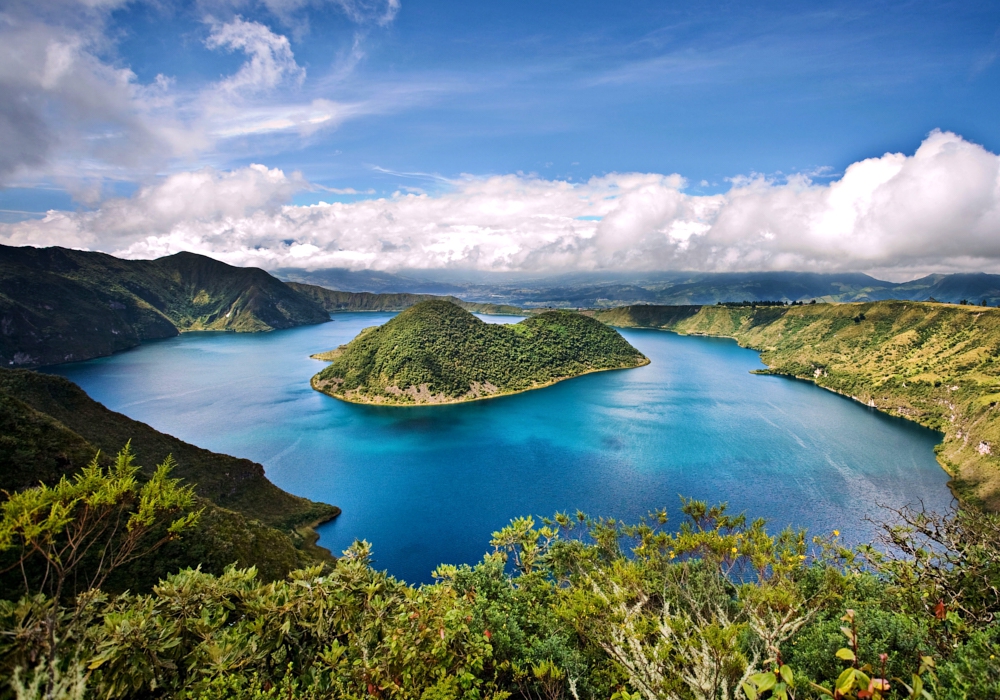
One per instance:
(237, 484)
(36, 448)
(936, 364)
(332, 301)
(436, 352)
(59, 305)
(49, 429)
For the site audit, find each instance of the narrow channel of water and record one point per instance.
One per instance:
(429, 485)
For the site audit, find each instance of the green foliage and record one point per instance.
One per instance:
(58, 305)
(435, 351)
(98, 517)
(350, 632)
(568, 607)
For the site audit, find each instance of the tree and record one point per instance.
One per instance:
(67, 539)
(85, 527)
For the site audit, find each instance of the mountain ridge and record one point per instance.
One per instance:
(610, 289)
(333, 300)
(50, 428)
(61, 305)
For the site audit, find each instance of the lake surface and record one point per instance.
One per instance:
(429, 485)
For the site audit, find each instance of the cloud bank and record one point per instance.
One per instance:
(938, 209)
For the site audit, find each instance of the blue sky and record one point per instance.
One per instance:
(419, 94)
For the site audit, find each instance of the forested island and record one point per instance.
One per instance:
(436, 352)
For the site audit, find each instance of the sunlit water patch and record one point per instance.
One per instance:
(429, 485)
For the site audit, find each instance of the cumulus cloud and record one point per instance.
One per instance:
(55, 95)
(270, 61)
(183, 202)
(936, 209)
(70, 114)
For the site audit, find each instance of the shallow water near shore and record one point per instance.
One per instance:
(428, 485)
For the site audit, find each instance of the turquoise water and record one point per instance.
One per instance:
(429, 485)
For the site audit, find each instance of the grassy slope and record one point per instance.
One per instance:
(36, 447)
(332, 300)
(59, 305)
(55, 402)
(936, 364)
(442, 353)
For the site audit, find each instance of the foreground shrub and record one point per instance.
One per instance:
(572, 607)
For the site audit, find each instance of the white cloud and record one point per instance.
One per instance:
(57, 97)
(71, 114)
(198, 200)
(937, 209)
(381, 12)
(269, 63)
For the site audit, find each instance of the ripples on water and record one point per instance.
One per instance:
(429, 485)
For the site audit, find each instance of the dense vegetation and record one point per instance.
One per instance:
(332, 300)
(937, 364)
(567, 608)
(436, 352)
(714, 607)
(59, 305)
(49, 428)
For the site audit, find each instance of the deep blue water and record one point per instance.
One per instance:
(429, 485)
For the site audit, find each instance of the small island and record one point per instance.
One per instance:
(437, 353)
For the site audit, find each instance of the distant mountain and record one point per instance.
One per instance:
(367, 281)
(974, 287)
(610, 289)
(59, 305)
(50, 428)
(332, 300)
(435, 352)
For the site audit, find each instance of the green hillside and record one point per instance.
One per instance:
(936, 364)
(60, 305)
(332, 300)
(49, 428)
(436, 352)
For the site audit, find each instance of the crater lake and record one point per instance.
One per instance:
(428, 485)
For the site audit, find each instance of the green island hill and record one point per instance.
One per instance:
(436, 352)
(935, 364)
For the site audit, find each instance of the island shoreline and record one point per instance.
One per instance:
(312, 383)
